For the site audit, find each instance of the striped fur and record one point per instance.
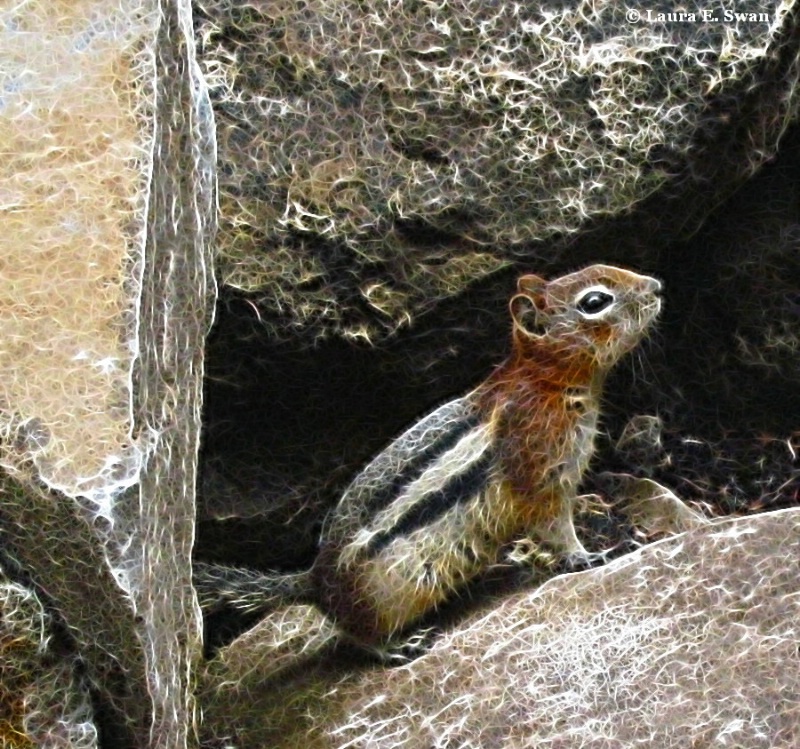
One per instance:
(437, 506)
(401, 463)
(447, 479)
(422, 506)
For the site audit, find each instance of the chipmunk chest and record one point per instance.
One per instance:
(574, 433)
(579, 445)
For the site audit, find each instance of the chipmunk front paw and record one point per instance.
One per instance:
(577, 561)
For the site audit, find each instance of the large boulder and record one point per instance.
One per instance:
(377, 160)
(691, 641)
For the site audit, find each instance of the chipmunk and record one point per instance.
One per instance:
(437, 506)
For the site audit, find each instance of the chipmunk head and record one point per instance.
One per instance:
(601, 310)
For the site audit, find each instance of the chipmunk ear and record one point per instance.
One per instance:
(531, 284)
(529, 318)
(527, 307)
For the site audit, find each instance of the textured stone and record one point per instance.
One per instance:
(691, 641)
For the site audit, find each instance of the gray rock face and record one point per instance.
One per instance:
(376, 159)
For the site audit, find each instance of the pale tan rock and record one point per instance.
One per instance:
(73, 182)
(106, 208)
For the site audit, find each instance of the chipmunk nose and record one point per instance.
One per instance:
(654, 286)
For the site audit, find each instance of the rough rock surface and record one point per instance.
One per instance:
(42, 701)
(691, 641)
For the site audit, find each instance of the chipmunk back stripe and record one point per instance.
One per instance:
(411, 455)
(435, 474)
(459, 489)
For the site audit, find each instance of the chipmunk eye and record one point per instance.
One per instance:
(593, 302)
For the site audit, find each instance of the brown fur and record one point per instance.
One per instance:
(535, 435)
(542, 404)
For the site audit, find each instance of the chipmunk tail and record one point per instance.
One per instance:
(249, 591)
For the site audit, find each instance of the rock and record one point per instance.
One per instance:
(688, 642)
(377, 160)
(105, 300)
